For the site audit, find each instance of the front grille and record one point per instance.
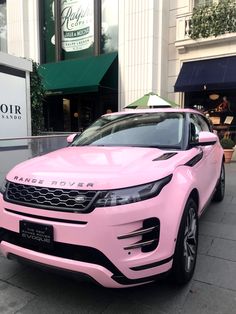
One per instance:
(50, 198)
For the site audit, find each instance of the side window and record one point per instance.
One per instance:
(197, 124)
(203, 124)
(195, 128)
(192, 133)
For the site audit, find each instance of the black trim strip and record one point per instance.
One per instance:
(7, 70)
(49, 207)
(159, 263)
(192, 162)
(165, 156)
(46, 218)
(122, 280)
(52, 268)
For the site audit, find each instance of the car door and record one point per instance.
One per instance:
(207, 171)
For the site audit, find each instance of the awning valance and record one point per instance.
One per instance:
(76, 76)
(212, 74)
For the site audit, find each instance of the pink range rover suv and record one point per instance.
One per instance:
(121, 203)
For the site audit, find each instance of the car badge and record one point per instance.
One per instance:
(80, 199)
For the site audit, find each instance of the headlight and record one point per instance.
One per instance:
(132, 194)
(3, 186)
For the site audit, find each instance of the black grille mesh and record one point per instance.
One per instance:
(50, 198)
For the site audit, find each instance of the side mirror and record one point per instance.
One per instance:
(71, 138)
(206, 138)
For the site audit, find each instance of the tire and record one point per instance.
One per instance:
(185, 255)
(220, 188)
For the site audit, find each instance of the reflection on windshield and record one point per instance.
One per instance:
(162, 130)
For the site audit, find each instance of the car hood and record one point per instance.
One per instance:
(91, 167)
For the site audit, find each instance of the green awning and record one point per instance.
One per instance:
(76, 76)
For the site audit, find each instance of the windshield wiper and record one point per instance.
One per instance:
(132, 145)
(159, 146)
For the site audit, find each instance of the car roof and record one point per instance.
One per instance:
(153, 110)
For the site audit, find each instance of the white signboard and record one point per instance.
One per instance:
(77, 20)
(13, 114)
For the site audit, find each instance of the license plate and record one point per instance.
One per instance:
(36, 234)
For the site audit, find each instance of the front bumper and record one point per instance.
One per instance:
(95, 243)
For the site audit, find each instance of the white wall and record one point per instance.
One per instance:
(23, 28)
(143, 42)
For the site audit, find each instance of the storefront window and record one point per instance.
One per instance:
(109, 36)
(219, 107)
(78, 27)
(48, 31)
(77, 23)
(3, 26)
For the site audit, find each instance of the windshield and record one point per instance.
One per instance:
(157, 129)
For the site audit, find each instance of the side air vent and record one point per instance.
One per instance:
(164, 156)
(149, 233)
(192, 162)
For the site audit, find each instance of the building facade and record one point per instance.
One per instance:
(15, 113)
(135, 31)
(104, 54)
(202, 59)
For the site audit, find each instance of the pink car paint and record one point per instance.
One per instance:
(103, 232)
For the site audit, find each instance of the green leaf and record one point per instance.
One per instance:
(213, 20)
(37, 97)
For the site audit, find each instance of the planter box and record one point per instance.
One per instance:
(228, 155)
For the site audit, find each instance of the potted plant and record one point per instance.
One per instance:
(228, 145)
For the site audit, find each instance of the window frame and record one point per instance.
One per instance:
(198, 120)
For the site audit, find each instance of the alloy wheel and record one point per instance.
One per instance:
(190, 240)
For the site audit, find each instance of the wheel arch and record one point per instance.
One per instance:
(180, 274)
(192, 195)
(195, 196)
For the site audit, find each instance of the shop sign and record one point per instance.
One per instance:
(13, 120)
(77, 22)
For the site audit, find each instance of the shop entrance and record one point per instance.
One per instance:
(75, 112)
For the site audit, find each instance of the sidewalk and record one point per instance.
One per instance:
(212, 290)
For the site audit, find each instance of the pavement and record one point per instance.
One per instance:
(212, 290)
